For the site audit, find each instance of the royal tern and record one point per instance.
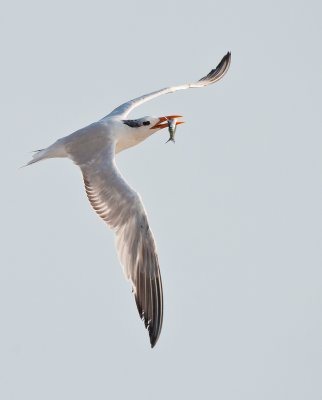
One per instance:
(93, 149)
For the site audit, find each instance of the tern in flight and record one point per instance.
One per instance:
(93, 149)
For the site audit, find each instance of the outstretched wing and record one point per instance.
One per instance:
(121, 207)
(214, 75)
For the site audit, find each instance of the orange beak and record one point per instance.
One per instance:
(160, 125)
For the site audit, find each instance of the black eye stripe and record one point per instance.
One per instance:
(135, 123)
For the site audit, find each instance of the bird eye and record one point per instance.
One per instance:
(146, 123)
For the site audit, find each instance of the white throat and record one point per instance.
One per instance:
(129, 137)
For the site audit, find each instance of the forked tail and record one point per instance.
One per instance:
(38, 156)
(55, 150)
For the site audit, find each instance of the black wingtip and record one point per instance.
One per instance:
(153, 330)
(149, 302)
(154, 333)
(225, 60)
(218, 72)
(153, 340)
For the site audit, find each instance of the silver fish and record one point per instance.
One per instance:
(172, 126)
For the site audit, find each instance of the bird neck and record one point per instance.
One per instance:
(130, 137)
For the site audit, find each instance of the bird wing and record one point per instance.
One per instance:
(121, 207)
(214, 75)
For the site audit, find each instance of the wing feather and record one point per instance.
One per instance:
(122, 209)
(214, 75)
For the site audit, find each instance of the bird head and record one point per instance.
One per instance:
(140, 129)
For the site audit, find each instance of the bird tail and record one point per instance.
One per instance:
(55, 150)
(38, 156)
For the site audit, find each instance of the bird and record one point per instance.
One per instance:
(93, 149)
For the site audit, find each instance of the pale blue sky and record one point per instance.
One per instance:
(235, 204)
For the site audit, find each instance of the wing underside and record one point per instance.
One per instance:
(121, 208)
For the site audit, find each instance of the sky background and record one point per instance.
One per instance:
(235, 204)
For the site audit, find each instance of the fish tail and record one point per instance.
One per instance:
(170, 140)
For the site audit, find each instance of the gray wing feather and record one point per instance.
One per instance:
(214, 75)
(121, 207)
